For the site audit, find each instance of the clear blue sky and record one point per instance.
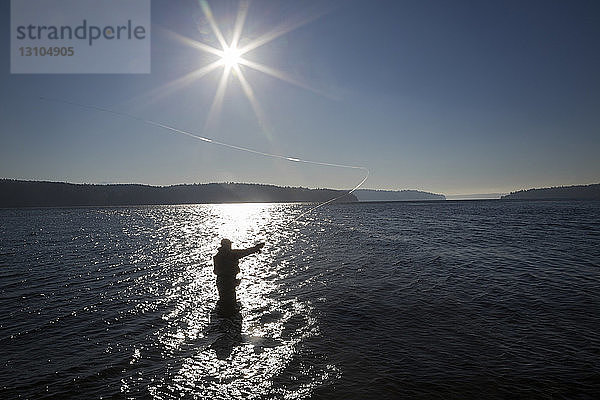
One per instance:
(444, 96)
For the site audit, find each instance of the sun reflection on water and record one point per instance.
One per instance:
(253, 355)
(243, 223)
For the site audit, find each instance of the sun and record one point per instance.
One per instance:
(231, 57)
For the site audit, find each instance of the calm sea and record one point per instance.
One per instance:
(466, 299)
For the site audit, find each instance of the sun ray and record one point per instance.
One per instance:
(213, 24)
(186, 79)
(215, 108)
(239, 23)
(252, 98)
(153, 95)
(282, 29)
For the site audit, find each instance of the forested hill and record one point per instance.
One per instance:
(396, 195)
(17, 193)
(579, 192)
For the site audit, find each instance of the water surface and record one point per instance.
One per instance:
(390, 300)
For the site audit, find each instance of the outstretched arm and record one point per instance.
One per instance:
(239, 253)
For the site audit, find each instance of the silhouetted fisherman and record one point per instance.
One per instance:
(226, 268)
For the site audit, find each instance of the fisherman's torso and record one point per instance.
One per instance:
(226, 265)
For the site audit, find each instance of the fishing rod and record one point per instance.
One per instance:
(227, 145)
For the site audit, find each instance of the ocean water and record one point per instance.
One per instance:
(465, 299)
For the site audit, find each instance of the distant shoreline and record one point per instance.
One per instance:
(575, 192)
(42, 194)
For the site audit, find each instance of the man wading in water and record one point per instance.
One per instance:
(226, 268)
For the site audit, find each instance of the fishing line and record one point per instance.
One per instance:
(228, 145)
